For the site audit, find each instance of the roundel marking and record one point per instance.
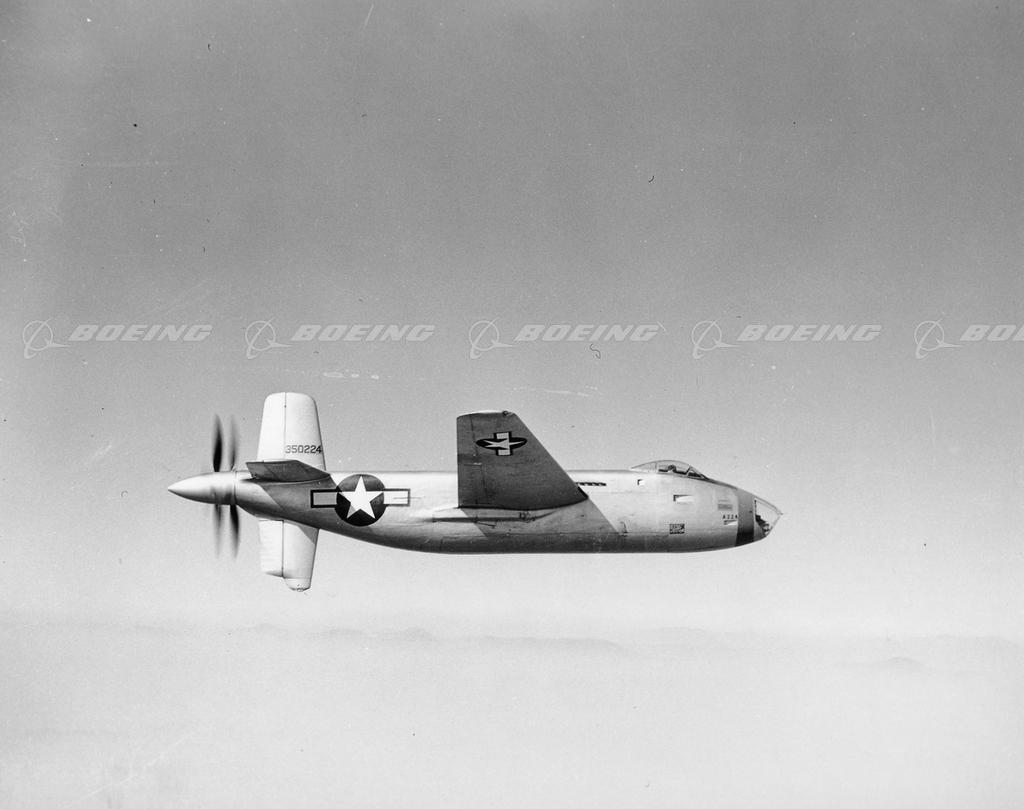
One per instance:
(360, 499)
(503, 443)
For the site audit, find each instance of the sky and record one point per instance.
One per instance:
(700, 170)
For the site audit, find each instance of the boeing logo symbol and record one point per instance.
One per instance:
(38, 336)
(260, 336)
(706, 337)
(478, 332)
(929, 336)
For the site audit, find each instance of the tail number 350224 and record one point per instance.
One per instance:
(302, 449)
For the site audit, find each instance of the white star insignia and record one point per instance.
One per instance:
(504, 445)
(359, 499)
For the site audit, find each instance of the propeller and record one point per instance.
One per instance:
(218, 456)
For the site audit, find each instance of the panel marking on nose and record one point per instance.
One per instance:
(745, 530)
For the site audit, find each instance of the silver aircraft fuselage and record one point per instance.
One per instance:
(625, 511)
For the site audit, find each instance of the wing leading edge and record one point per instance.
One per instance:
(502, 465)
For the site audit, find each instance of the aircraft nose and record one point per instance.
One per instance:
(765, 517)
(197, 488)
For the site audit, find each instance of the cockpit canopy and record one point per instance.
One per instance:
(669, 468)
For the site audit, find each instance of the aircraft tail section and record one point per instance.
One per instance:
(291, 430)
(284, 472)
(288, 550)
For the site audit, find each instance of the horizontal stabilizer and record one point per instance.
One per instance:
(284, 472)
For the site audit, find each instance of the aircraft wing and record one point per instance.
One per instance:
(501, 465)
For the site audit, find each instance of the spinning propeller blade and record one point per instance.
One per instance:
(218, 456)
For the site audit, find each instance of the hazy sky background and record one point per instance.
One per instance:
(435, 163)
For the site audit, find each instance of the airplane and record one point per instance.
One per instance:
(508, 495)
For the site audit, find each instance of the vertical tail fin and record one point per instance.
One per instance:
(291, 430)
(288, 550)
